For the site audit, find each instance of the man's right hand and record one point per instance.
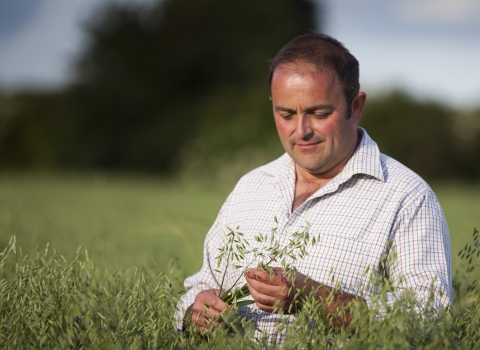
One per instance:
(205, 311)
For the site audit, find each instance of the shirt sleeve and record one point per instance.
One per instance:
(206, 278)
(420, 256)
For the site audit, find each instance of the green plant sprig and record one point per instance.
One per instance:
(236, 250)
(471, 252)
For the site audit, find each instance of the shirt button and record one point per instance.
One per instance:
(259, 311)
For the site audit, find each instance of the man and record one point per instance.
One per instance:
(362, 204)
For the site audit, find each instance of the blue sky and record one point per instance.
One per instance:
(428, 47)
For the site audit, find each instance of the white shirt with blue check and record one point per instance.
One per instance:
(373, 201)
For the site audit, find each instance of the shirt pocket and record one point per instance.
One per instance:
(337, 261)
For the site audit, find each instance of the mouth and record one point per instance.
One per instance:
(307, 145)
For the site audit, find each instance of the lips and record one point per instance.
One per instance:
(307, 146)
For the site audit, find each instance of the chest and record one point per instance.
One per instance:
(304, 191)
(352, 226)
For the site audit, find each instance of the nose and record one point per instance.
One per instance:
(304, 129)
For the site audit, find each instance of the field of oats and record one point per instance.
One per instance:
(98, 261)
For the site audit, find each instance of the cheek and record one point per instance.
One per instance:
(325, 127)
(284, 129)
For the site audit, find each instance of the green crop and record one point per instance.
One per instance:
(47, 302)
(269, 252)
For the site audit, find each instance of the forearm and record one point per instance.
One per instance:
(337, 304)
(282, 292)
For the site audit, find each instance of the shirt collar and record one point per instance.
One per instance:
(365, 160)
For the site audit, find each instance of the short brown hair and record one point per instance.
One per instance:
(323, 52)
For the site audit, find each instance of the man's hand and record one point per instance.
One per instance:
(273, 293)
(206, 310)
(277, 292)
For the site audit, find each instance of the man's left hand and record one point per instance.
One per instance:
(277, 292)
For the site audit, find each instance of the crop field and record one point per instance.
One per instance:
(123, 223)
(132, 221)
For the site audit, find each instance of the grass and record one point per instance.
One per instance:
(50, 303)
(122, 221)
(461, 205)
(132, 221)
(122, 293)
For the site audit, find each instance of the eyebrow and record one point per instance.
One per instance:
(308, 110)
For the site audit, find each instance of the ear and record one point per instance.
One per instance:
(357, 106)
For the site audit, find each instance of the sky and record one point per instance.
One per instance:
(430, 48)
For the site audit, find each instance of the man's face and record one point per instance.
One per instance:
(310, 114)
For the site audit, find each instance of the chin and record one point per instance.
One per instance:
(311, 168)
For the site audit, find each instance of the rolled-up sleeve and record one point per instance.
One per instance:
(420, 256)
(206, 278)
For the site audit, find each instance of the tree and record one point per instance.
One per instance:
(152, 80)
(416, 133)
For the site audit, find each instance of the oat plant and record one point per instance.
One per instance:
(237, 249)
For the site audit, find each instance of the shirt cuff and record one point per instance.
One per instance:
(185, 302)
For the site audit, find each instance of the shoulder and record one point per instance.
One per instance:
(403, 183)
(265, 174)
(258, 185)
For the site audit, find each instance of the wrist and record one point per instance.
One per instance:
(186, 317)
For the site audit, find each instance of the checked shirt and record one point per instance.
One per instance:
(373, 201)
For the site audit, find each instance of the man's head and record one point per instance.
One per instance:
(319, 52)
(315, 120)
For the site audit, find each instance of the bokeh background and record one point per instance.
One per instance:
(125, 123)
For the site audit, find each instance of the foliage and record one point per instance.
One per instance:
(34, 130)
(47, 302)
(113, 216)
(270, 252)
(158, 86)
(140, 220)
(434, 140)
(180, 87)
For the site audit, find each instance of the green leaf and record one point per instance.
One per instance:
(226, 294)
(244, 303)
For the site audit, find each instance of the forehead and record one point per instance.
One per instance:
(292, 78)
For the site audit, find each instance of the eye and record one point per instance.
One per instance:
(321, 115)
(286, 116)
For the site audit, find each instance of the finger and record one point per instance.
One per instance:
(205, 316)
(259, 275)
(206, 312)
(264, 276)
(210, 298)
(204, 321)
(276, 291)
(257, 286)
(260, 298)
(219, 304)
(200, 329)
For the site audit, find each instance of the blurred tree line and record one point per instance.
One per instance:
(432, 139)
(180, 87)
